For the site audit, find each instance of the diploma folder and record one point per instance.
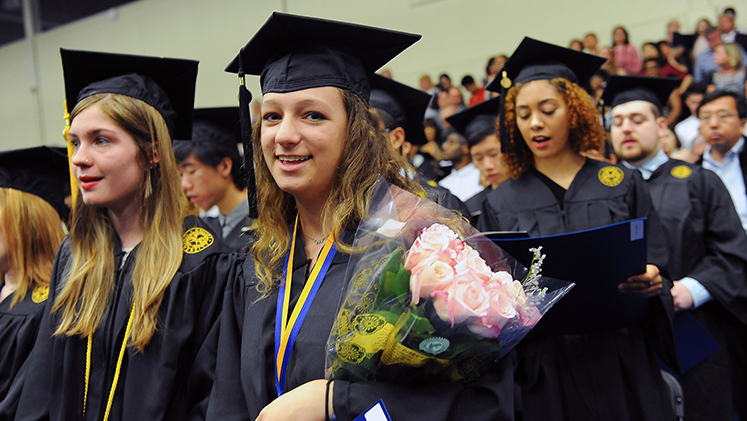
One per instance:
(596, 260)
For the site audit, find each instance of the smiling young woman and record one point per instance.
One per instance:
(549, 121)
(318, 151)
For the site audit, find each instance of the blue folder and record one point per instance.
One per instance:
(596, 260)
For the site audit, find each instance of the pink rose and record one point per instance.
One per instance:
(438, 239)
(466, 299)
(428, 276)
(469, 260)
(502, 309)
(502, 281)
(477, 327)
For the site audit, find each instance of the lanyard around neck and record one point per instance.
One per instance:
(286, 333)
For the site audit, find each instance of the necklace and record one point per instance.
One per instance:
(316, 241)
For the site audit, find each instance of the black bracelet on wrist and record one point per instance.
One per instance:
(326, 401)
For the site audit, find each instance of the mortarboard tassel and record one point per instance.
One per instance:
(70, 150)
(245, 99)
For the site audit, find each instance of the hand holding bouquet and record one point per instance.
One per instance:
(426, 304)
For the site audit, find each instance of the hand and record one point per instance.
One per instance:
(683, 300)
(647, 284)
(304, 403)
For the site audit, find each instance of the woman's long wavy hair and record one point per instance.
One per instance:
(89, 278)
(33, 232)
(586, 131)
(366, 156)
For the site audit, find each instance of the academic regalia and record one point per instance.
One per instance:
(610, 375)
(18, 331)
(247, 346)
(444, 197)
(294, 53)
(43, 172)
(170, 380)
(706, 244)
(474, 204)
(235, 241)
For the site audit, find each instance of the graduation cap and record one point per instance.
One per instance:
(166, 84)
(292, 53)
(622, 89)
(537, 60)
(477, 122)
(404, 105)
(217, 125)
(41, 171)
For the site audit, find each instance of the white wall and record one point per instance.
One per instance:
(458, 38)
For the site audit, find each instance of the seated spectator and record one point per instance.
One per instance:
(494, 66)
(576, 44)
(705, 64)
(591, 43)
(610, 66)
(689, 128)
(427, 160)
(674, 60)
(672, 27)
(626, 55)
(450, 99)
(731, 74)
(479, 94)
(701, 43)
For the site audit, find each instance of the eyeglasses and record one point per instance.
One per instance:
(723, 117)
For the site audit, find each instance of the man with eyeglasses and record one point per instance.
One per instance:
(722, 116)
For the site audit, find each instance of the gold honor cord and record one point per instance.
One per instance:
(116, 372)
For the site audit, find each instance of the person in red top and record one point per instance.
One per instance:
(478, 93)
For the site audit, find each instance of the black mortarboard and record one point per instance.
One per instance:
(41, 171)
(292, 53)
(403, 104)
(477, 122)
(536, 60)
(622, 89)
(166, 84)
(218, 125)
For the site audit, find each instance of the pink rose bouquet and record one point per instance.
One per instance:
(430, 299)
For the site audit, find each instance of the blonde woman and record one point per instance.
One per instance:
(135, 288)
(30, 233)
(731, 75)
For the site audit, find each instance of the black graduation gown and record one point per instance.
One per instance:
(170, 380)
(246, 363)
(18, 330)
(707, 243)
(235, 241)
(474, 204)
(610, 375)
(444, 197)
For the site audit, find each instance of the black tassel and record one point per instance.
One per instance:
(245, 100)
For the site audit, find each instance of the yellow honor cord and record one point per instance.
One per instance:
(116, 371)
(285, 328)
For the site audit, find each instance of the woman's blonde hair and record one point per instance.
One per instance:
(33, 232)
(366, 155)
(735, 56)
(586, 132)
(89, 278)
